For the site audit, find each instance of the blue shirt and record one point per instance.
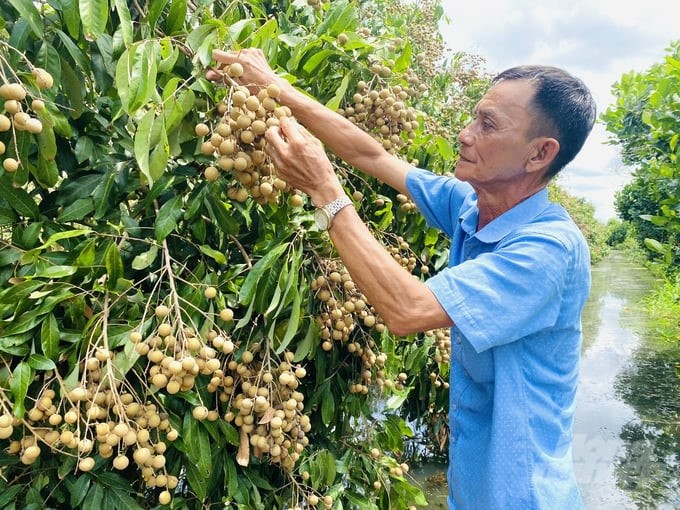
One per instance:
(515, 291)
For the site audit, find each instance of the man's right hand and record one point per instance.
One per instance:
(256, 70)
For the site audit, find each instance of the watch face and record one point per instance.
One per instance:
(321, 218)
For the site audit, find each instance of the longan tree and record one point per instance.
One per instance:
(173, 328)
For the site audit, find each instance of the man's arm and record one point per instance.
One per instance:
(344, 139)
(406, 304)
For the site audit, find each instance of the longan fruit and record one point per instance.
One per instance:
(211, 173)
(13, 91)
(162, 311)
(43, 79)
(10, 165)
(210, 292)
(5, 123)
(201, 129)
(165, 497)
(235, 70)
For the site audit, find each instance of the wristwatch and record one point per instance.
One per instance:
(323, 216)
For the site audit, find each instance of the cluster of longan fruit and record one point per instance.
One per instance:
(401, 252)
(97, 417)
(177, 354)
(344, 307)
(383, 114)
(235, 138)
(17, 115)
(252, 391)
(264, 403)
(344, 318)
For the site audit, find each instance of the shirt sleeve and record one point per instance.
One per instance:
(506, 294)
(439, 198)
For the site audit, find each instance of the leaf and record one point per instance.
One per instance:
(144, 260)
(318, 58)
(114, 266)
(196, 444)
(247, 290)
(125, 21)
(334, 102)
(93, 15)
(67, 234)
(293, 323)
(55, 272)
(20, 381)
(136, 74)
(167, 218)
(216, 255)
(49, 337)
(30, 13)
(94, 498)
(18, 199)
(40, 362)
(305, 347)
(76, 210)
(176, 17)
(219, 214)
(327, 405)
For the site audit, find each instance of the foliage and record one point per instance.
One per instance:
(644, 121)
(583, 214)
(162, 330)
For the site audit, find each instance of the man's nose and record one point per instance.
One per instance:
(466, 136)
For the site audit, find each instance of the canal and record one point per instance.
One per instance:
(627, 426)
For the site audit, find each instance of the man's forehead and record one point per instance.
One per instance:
(504, 97)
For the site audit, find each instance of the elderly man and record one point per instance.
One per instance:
(518, 277)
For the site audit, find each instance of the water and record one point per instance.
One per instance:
(627, 424)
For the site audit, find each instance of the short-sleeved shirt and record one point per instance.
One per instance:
(515, 291)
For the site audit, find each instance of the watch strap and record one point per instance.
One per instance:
(334, 207)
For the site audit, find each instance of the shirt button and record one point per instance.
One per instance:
(454, 407)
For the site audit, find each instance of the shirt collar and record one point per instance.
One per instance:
(522, 213)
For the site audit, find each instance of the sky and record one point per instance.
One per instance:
(596, 40)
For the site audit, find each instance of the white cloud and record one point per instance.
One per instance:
(597, 40)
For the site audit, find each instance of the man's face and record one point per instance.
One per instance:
(495, 146)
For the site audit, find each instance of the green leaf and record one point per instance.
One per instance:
(176, 17)
(220, 215)
(17, 345)
(18, 199)
(293, 323)
(30, 13)
(60, 236)
(340, 18)
(94, 498)
(49, 337)
(336, 100)
(196, 444)
(247, 290)
(21, 380)
(320, 57)
(125, 21)
(93, 14)
(40, 362)
(445, 148)
(9, 495)
(136, 74)
(144, 260)
(114, 266)
(327, 405)
(55, 272)
(76, 210)
(216, 255)
(167, 218)
(306, 346)
(69, 12)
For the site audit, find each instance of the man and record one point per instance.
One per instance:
(518, 277)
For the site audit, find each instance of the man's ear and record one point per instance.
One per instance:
(545, 150)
